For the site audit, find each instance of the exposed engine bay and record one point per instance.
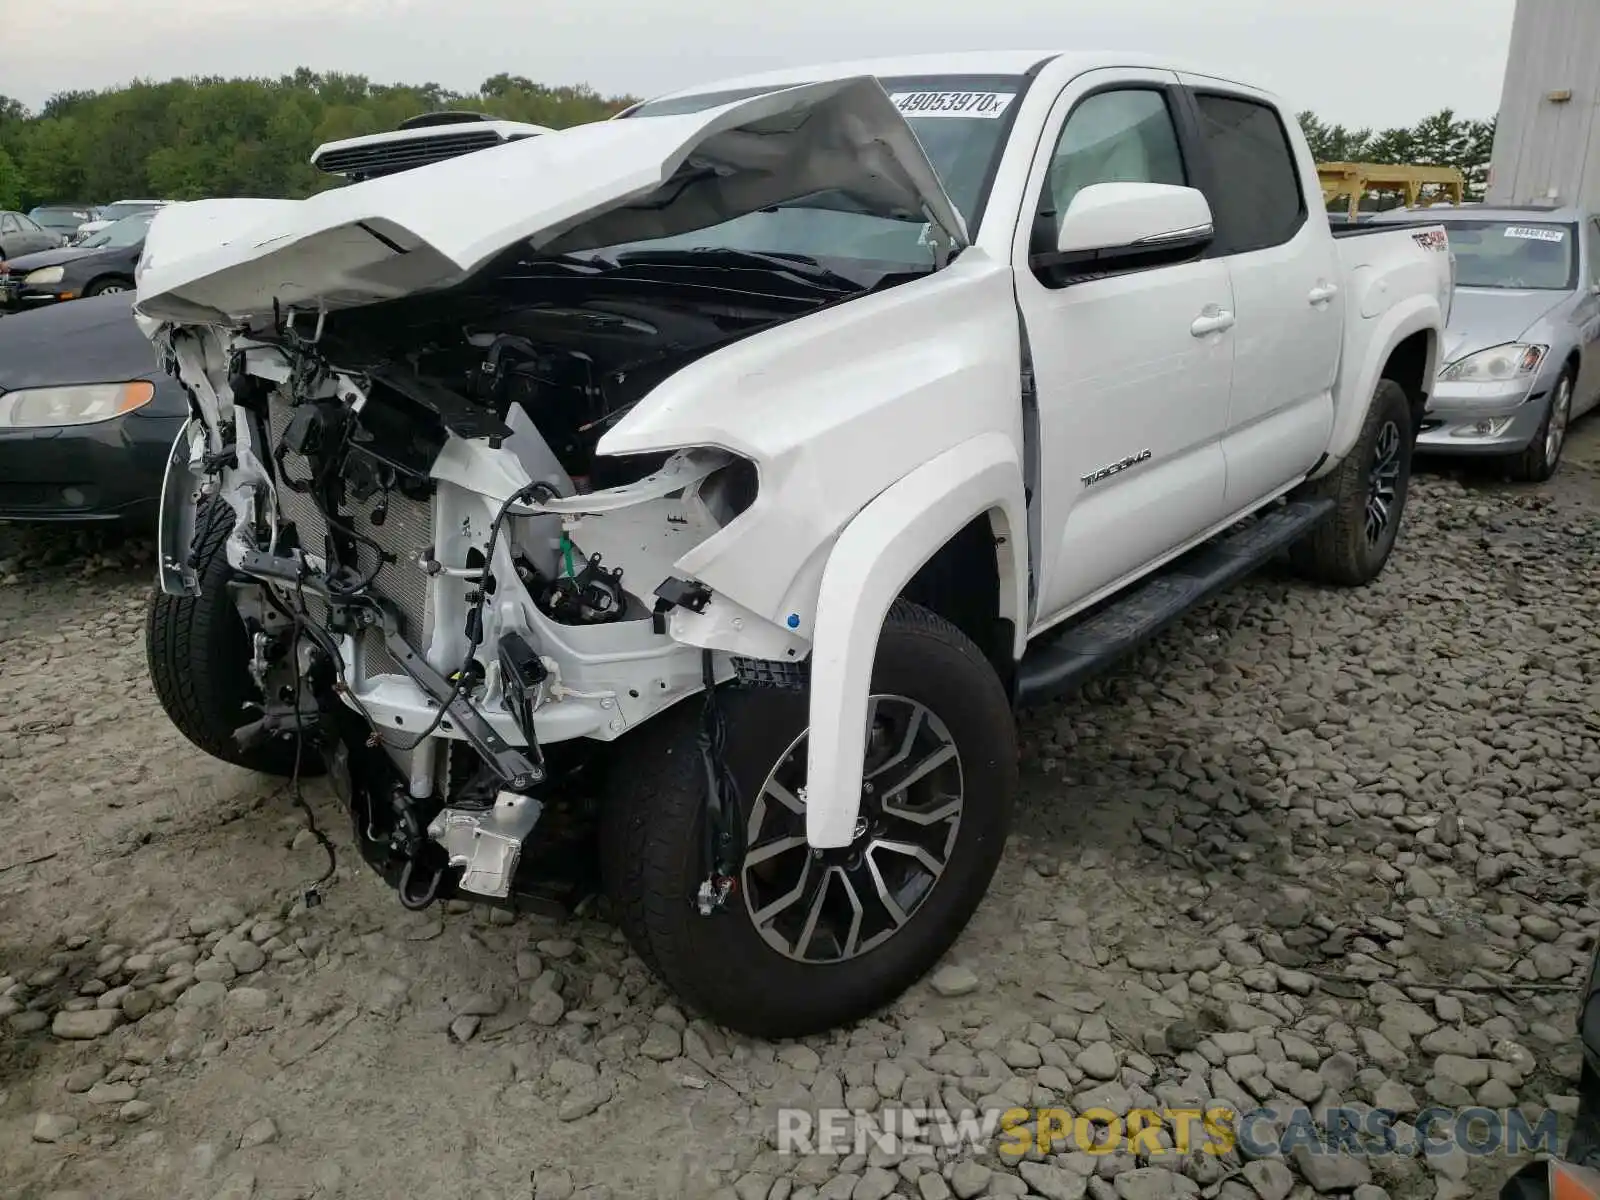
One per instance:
(446, 587)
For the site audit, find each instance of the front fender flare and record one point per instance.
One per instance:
(873, 559)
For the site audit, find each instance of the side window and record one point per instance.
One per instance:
(1594, 251)
(8, 224)
(1255, 193)
(28, 225)
(1124, 136)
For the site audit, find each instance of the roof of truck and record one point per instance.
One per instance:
(964, 62)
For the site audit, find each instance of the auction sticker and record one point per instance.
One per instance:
(983, 105)
(1531, 233)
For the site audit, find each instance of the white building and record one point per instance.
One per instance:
(1547, 143)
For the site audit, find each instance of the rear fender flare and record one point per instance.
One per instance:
(873, 559)
(1381, 335)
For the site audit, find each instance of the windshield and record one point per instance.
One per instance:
(129, 231)
(961, 121)
(127, 208)
(1514, 255)
(61, 218)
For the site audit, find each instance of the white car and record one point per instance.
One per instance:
(884, 396)
(416, 142)
(108, 216)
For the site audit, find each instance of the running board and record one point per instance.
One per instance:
(1061, 663)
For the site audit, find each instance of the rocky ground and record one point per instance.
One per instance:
(1310, 849)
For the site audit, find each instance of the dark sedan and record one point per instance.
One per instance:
(99, 266)
(87, 418)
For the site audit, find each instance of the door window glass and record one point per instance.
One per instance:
(1255, 184)
(1124, 136)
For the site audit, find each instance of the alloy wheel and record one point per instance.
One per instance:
(822, 906)
(1383, 482)
(1560, 413)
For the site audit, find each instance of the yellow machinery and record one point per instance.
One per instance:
(1357, 179)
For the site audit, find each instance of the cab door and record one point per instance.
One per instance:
(1132, 371)
(1283, 264)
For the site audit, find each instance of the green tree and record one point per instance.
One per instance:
(1439, 140)
(10, 182)
(208, 136)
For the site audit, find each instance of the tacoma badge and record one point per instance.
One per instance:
(1132, 460)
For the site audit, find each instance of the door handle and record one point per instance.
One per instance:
(1214, 320)
(1323, 292)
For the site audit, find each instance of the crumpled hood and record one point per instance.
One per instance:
(581, 188)
(1484, 317)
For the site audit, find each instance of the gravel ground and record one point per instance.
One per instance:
(1285, 856)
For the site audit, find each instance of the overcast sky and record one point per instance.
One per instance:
(1417, 56)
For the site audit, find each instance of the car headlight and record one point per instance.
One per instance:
(78, 404)
(44, 275)
(1496, 364)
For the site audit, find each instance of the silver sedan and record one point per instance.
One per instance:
(1521, 357)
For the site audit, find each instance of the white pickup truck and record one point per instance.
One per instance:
(883, 397)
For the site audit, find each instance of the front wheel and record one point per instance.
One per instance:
(198, 652)
(1539, 460)
(812, 939)
(108, 287)
(1368, 489)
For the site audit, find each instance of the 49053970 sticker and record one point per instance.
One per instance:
(986, 106)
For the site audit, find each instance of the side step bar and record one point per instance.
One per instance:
(1061, 663)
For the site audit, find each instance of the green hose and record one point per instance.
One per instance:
(566, 552)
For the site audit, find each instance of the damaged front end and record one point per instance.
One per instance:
(400, 391)
(435, 595)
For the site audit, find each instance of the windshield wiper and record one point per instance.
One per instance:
(798, 265)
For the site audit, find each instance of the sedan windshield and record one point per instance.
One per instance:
(127, 232)
(961, 121)
(115, 212)
(62, 220)
(1511, 255)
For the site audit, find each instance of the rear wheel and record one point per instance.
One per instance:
(811, 939)
(1539, 461)
(199, 657)
(1369, 490)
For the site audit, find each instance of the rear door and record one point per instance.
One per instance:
(1283, 266)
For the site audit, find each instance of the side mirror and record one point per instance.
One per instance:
(1114, 225)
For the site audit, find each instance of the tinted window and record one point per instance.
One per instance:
(1113, 137)
(1255, 191)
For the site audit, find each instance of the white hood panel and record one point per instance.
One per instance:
(575, 189)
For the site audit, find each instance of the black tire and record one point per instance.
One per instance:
(1538, 461)
(111, 283)
(199, 658)
(1341, 550)
(653, 827)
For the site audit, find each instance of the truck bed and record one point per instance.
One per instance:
(1349, 231)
